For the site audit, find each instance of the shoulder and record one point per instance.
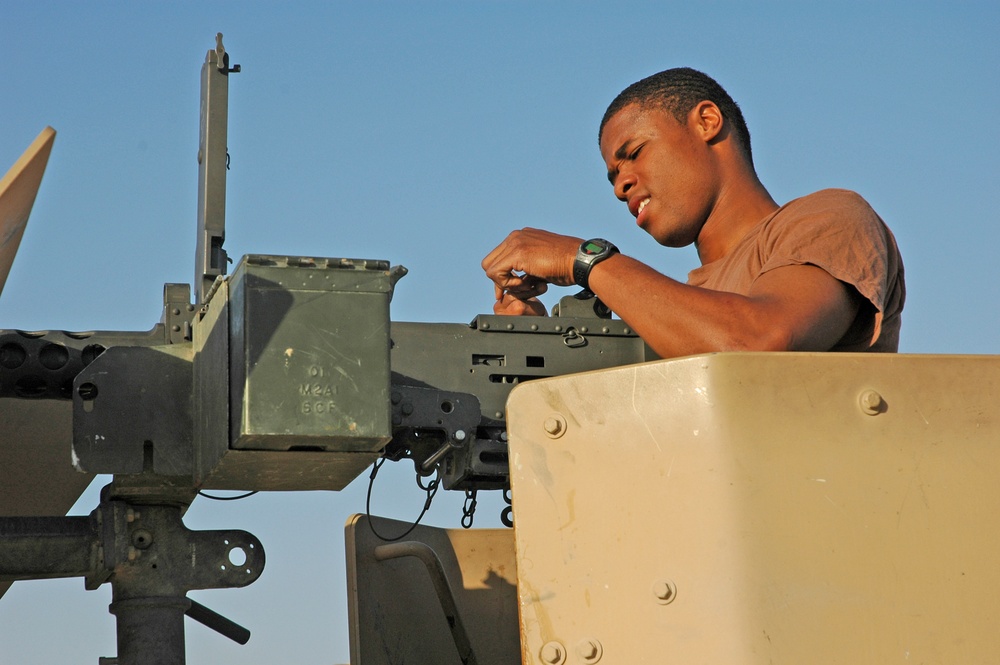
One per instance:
(832, 220)
(829, 205)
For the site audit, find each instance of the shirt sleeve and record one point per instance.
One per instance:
(837, 231)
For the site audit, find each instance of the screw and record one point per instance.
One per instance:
(590, 651)
(554, 426)
(871, 402)
(553, 653)
(665, 591)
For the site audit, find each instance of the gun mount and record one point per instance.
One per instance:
(286, 375)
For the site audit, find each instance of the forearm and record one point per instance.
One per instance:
(676, 319)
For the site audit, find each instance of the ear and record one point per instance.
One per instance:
(707, 120)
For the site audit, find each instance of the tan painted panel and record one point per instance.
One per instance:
(37, 477)
(395, 615)
(18, 189)
(783, 521)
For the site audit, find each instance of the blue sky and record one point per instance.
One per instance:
(422, 133)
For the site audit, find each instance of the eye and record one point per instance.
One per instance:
(635, 153)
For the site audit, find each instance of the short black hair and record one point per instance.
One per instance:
(677, 91)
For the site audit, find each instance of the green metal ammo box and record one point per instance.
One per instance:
(309, 354)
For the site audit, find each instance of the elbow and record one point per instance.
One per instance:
(765, 338)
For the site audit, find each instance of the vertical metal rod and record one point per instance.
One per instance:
(150, 630)
(210, 258)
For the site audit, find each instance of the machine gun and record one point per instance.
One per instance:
(285, 375)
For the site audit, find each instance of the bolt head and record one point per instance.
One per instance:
(871, 402)
(552, 653)
(554, 426)
(664, 591)
(590, 651)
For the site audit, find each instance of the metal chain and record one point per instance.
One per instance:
(507, 514)
(469, 509)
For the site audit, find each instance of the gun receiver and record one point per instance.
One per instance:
(291, 376)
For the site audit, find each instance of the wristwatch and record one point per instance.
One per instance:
(591, 253)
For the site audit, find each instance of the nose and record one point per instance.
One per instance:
(623, 183)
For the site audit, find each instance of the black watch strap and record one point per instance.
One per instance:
(590, 253)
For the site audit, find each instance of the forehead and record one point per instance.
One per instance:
(632, 123)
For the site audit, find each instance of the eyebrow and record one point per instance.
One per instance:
(620, 154)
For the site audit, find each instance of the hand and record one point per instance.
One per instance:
(512, 306)
(528, 260)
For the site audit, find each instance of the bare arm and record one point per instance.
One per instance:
(794, 308)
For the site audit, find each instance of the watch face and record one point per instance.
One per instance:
(591, 247)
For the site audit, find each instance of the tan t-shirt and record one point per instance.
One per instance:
(833, 229)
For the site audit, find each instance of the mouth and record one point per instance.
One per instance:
(636, 208)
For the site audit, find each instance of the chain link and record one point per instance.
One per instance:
(469, 509)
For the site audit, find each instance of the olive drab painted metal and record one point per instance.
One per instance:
(760, 508)
(727, 508)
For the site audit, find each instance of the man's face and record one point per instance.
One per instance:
(663, 170)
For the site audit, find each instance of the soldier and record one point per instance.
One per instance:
(819, 273)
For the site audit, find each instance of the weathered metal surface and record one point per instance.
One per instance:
(213, 162)
(132, 412)
(759, 508)
(396, 614)
(309, 354)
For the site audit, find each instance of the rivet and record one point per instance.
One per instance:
(485, 326)
(665, 591)
(534, 326)
(605, 329)
(584, 329)
(498, 415)
(552, 653)
(871, 402)
(510, 326)
(558, 328)
(555, 426)
(627, 331)
(142, 538)
(590, 650)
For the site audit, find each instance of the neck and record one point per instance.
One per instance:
(742, 203)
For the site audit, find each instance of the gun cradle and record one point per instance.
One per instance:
(291, 377)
